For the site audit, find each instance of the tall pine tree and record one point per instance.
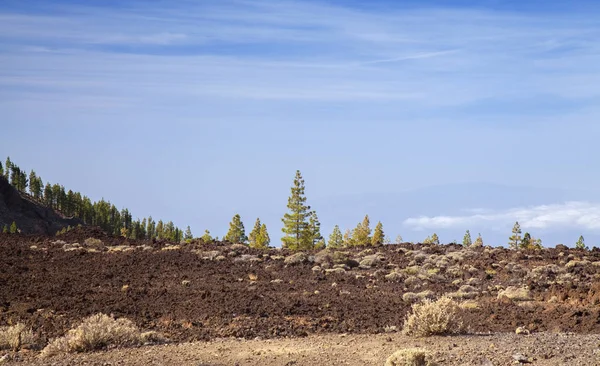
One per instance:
(295, 223)
(515, 239)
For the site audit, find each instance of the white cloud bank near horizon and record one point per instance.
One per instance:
(573, 214)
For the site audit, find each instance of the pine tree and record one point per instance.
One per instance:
(515, 238)
(314, 230)
(236, 233)
(378, 235)
(7, 167)
(188, 234)
(526, 242)
(1, 169)
(263, 239)
(206, 237)
(362, 233)
(160, 230)
(399, 239)
(13, 228)
(295, 224)
(5, 229)
(253, 237)
(151, 228)
(581, 243)
(467, 242)
(48, 195)
(336, 239)
(535, 243)
(478, 241)
(348, 242)
(434, 239)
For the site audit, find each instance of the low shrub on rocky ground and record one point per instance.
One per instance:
(434, 317)
(15, 336)
(97, 332)
(410, 357)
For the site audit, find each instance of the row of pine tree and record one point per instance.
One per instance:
(101, 213)
(301, 226)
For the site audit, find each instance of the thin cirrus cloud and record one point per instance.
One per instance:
(574, 214)
(304, 51)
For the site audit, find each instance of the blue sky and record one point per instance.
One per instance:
(429, 116)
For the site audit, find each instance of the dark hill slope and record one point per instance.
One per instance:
(30, 216)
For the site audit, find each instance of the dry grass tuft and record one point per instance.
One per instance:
(515, 293)
(15, 336)
(430, 317)
(410, 357)
(99, 332)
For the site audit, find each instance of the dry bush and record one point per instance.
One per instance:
(99, 332)
(410, 357)
(93, 243)
(431, 317)
(412, 297)
(13, 337)
(515, 293)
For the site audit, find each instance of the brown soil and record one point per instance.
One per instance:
(189, 294)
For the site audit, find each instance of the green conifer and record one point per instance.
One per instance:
(13, 228)
(362, 233)
(515, 239)
(253, 236)
(526, 242)
(336, 239)
(206, 237)
(188, 234)
(467, 242)
(7, 168)
(314, 228)
(378, 235)
(236, 233)
(295, 224)
(478, 241)
(263, 239)
(581, 243)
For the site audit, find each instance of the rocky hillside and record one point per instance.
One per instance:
(30, 216)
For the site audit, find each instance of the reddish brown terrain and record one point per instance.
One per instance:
(202, 292)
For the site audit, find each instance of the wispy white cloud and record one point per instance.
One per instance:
(575, 214)
(296, 50)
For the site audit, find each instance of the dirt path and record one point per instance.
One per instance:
(543, 348)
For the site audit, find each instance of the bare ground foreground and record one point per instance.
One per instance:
(334, 349)
(347, 306)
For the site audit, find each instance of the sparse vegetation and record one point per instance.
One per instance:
(410, 357)
(15, 336)
(434, 317)
(99, 332)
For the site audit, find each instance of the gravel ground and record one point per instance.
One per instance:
(494, 349)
